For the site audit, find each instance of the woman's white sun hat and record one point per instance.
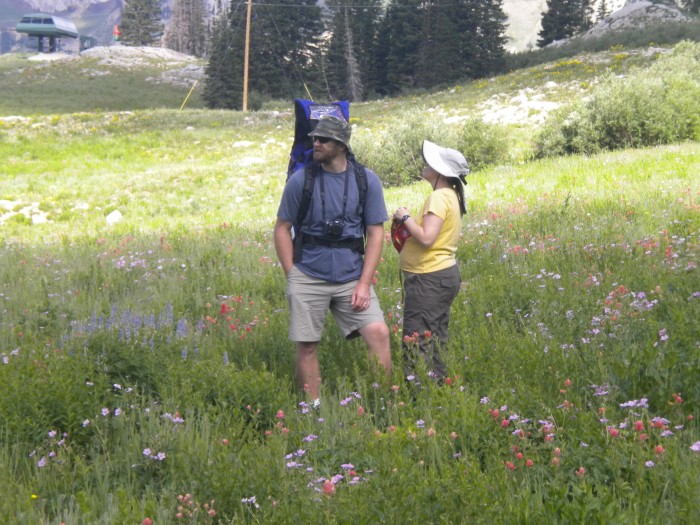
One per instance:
(446, 161)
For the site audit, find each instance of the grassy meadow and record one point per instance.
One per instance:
(145, 368)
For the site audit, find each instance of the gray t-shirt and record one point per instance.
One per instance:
(337, 265)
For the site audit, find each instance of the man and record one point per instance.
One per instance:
(332, 269)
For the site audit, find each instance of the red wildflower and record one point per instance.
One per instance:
(328, 487)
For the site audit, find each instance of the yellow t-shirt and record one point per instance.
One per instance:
(418, 259)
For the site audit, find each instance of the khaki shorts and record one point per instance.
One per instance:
(310, 299)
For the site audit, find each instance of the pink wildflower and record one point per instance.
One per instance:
(328, 487)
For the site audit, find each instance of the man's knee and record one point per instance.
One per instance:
(377, 332)
(306, 349)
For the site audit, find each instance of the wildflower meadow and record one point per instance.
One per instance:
(147, 377)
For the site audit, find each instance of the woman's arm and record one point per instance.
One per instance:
(425, 235)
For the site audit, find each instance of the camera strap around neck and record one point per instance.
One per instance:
(323, 194)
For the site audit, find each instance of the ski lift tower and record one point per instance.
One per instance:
(43, 26)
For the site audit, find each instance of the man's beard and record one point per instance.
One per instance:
(321, 156)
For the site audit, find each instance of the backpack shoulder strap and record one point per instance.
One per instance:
(361, 178)
(310, 172)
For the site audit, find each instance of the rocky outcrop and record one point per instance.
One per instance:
(636, 14)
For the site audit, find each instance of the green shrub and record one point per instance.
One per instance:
(395, 151)
(657, 106)
(482, 144)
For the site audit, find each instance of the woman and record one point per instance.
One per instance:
(430, 271)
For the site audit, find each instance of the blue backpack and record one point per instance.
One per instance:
(307, 114)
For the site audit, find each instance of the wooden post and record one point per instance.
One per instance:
(245, 60)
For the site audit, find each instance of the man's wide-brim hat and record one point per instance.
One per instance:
(333, 128)
(446, 161)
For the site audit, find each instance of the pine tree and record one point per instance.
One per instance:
(603, 11)
(223, 87)
(563, 19)
(483, 38)
(186, 32)
(439, 56)
(141, 23)
(283, 44)
(354, 84)
(460, 39)
(692, 6)
(349, 53)
(398, 46)
(586, 16)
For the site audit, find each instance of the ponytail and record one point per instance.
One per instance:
(456, 185)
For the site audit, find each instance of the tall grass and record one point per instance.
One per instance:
(146, 372)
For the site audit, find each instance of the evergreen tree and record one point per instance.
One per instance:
(563, 19)
(439, 42)
(603, 11)
(186, 31)
(282, 48)
(460, 39)
(692, 6)
(439, 57)
(141, 23)
(398, 46)
(483, 51)
(223, 87)
(586, 16)
(349, 53)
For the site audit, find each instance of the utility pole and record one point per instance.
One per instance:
(245, 60)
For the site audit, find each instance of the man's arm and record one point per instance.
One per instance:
(284, 245)
(373, 252)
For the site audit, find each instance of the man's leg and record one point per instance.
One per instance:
(376, 335)
(308, 371)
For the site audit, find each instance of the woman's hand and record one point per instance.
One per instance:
(399, 213)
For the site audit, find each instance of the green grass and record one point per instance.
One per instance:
(81, 84)
(126, 386)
